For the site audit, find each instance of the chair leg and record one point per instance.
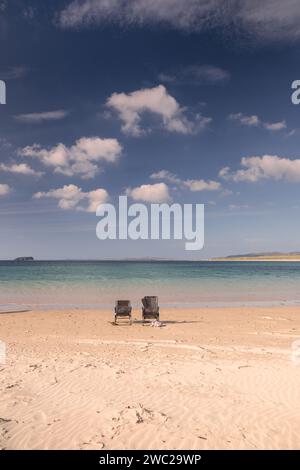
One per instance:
(116, 318)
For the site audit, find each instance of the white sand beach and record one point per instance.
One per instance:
(211, 378)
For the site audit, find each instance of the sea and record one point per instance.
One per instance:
(98, 284)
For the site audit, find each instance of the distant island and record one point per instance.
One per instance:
(23, 259)
(267, 256)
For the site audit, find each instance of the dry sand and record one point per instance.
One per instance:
(210, 379)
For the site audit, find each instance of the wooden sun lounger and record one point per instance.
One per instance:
(150, 308)
(123, 309)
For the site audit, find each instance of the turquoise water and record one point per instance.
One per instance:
(60, 284)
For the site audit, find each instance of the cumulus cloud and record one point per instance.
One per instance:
(158, 101)
(245, 120)
(255, 121)
(20, 168)
(4, 189)
(268, 20)
(202, 185)
(155, 193)
(275, 126)
(192, 185)
(266, 167)
(32, 118)
(167, 176)
(72, 197)
(80, 159)
(197, 75)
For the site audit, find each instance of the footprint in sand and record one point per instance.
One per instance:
(92, 444)
(137, 414)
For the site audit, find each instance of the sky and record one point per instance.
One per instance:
(184, 101)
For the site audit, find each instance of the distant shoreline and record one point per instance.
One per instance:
(284, 258)
(255, 259)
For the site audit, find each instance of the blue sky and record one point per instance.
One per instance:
(165, 100)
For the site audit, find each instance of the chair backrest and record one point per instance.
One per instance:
(150, 301)
(123, 303)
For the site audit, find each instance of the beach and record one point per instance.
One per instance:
(209, 378)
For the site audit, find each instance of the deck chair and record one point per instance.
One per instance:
(150, 308)
(123, 309)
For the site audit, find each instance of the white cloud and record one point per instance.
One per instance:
(167, 176)
(197, 75)
(265, 20)
(255, 121)
(265, 167)
(4, 189)
(183, 14)
(71, 197)
(192, 185)
(202, 185)
(20, 168)
(155, 193)
(157, 100)
(225, 173)
(245, 120)
(80, 159)
(96, 197)
(68, 196)
(32, 118)
(275, 126)
(271, 19)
